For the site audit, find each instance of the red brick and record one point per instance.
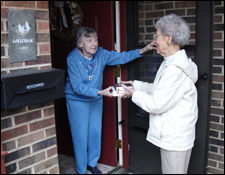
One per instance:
(192, 35)
(42, 124)
(49, 112)
(54, 170)
(162, 6)
(43, 26)
(219, 95)
(155, 14)
(30, 138)
(217, 53)
(148, 7)
(217, 18)
(2, 26)
(218, 78)
(212, 163)
(217, 111)
(5, 63)
(4, 38)
(42, 4)
(43, 59)
(192, 28)
(216, 157)
(4, 13)
(221, 165)
(185, 4)
(218, 44)
(52, 152)
(217, 35)
(45, 164)
(216, 103)
(14, 132)
(214, 171)
(43, 37)
(20, 3)
(180, 12)
(50, 131)
(27, 117)
(42, 15)
(45, 67)
(44, 48)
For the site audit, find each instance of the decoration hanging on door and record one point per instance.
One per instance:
(58, 21)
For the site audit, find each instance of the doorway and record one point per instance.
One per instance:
(100, 16)
(144, 157)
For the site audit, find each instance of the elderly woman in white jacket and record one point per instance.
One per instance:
(171, 99)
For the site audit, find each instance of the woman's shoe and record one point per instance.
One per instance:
(94, 170)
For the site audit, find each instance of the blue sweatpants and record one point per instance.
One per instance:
(86, 124)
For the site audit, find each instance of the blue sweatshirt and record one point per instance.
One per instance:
(78, 86)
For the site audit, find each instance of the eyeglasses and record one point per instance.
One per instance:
(155, 35)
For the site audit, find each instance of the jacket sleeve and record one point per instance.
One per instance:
(76, 80)
(143, 86)
(167, 93)
(114, 58)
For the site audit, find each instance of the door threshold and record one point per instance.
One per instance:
(120, 170)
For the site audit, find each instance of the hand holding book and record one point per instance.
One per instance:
(128, 93)
(124, 89)
(106, 92)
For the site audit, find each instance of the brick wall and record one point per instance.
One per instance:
(28, 133)
(216, 135)
(149, 13)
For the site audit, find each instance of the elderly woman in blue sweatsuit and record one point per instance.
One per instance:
(85, 65)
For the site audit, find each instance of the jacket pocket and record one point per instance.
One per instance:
(155, 127)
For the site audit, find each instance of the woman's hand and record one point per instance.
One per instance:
(106, 92)
(150, 46)
(128, 93)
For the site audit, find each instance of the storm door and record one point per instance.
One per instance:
(144, 157)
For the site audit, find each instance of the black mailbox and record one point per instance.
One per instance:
(30, 87)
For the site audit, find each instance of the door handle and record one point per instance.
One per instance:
(204, 76)
(122, 122)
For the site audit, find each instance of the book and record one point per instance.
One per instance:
(118, 86)
(116, 93)
(118, 90)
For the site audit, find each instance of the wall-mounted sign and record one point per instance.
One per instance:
(21, 35)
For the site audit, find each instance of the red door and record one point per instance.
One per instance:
(100, 16)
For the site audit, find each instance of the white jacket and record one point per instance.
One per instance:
(171, 101)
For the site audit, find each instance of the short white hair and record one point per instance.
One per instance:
(175, 26)
(83, 31)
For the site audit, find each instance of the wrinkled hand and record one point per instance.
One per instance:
(106, 92)
(128, 93)
(148, 47)
(151, 46)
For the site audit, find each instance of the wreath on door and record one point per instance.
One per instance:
(58, 19)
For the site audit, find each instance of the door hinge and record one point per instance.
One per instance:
(118, 144)
(116, 71)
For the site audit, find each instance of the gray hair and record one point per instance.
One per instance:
(175, 26)
(83, 31)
